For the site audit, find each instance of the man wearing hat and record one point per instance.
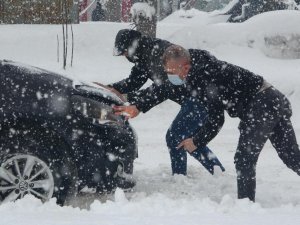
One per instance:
(146, 54)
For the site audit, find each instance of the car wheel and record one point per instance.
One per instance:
(25, 174)
(37, 165)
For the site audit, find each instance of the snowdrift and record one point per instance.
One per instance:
(160, 198)
(258, 32)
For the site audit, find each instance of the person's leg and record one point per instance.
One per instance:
(263, 114)
(175, 134)
(190, 117)
(178, 156)
(251, 141)
(283, 139)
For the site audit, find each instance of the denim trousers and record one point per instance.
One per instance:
(188, 121)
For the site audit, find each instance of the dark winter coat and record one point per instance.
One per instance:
(220, 86)
(148, 66)
(98, 13)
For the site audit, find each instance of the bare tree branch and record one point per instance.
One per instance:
(72, 55)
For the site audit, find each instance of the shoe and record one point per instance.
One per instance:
(125, 184)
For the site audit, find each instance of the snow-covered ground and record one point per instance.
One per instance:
(160, 198)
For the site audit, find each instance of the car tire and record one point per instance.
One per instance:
(36, 164)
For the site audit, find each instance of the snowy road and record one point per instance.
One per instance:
(160, 198)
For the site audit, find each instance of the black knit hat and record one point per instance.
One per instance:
(124, 40)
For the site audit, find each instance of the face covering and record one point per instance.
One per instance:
(175, 79)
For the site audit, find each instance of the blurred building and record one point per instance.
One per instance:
(114, 9)
(119, 10)
(37, 11)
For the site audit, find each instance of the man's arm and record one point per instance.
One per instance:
(210, 128)
(146, 99)
(112, 90)
(137, 78)
(142, 103)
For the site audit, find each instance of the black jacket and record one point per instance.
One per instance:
(98, 13)
(220, 86)
(148, 65)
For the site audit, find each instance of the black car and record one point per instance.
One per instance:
(241, 10)
(59, 136)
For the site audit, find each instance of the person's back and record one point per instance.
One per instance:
(229, 85)
(149, 57)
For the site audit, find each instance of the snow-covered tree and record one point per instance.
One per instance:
(143, 15)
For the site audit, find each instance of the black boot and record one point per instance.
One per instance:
(246, 185)
(123, 180)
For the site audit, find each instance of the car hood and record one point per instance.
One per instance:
(58, 81)
(96, 92)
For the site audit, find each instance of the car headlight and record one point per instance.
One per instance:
(98, 112)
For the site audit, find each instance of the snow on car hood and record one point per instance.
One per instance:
(77, 84)
(96, 90)
(28, 69)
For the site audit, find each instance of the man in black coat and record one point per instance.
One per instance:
(264, 111)
(98, 13)
(146, 54)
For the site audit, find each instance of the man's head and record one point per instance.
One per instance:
(126, 42)
(177, 63)
(98, 4)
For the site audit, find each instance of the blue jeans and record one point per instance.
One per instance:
(187, 122)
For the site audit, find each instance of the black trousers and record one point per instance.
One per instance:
(266, 117)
